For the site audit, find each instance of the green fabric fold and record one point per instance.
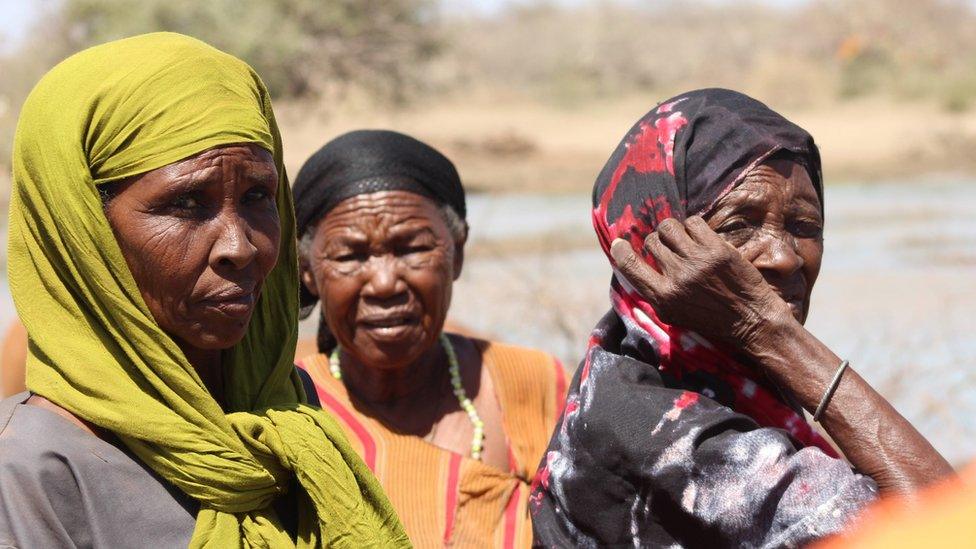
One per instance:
(116, 111)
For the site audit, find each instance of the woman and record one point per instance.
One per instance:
(152, 261)
(452, 426)
(684, 423)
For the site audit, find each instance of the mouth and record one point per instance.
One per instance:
(388, 327)
(233, 302)
(796, 303)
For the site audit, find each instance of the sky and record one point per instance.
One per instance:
(15, 17)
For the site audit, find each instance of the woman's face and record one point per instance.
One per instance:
(200, 236)
(383, 265)
(773, 219)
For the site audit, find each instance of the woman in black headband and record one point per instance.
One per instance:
(453, 427)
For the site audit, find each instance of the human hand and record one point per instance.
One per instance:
(702, 282)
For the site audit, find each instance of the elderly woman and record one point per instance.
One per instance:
(152, 261)
(684, 425)
(452, 426)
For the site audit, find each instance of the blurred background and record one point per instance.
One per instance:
(530, 97)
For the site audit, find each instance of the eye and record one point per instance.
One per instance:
(416, 249)
(806, 228)
(258, 194)
(187, 201)
(732, 225)
(346, 256)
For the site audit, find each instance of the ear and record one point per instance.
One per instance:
(459, 252)
(307, 276)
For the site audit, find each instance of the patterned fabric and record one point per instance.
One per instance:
(666, 437)
(444, 498)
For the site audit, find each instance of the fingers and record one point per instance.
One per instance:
(664, 258)
(700, 232)
(674, 235)
(645, 279)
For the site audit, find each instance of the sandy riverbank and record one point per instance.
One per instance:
(512, 144)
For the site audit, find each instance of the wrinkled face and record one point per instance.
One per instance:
(383, 265)
(200, 236)
(773, 219)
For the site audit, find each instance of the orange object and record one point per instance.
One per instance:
(13, 359)
(943, 516)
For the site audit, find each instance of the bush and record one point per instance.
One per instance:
(299, 47)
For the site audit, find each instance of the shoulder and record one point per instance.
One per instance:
(39, 452)
(528, 362)
(36, 442)
(525, 374)
(531, 369)
(62, 486)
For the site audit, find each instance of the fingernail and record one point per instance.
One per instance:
(620, 250)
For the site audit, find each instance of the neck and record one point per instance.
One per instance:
(412, 383)
(207, 363)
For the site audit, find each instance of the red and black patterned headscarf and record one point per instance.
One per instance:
(679, 160)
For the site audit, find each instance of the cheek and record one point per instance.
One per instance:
(338, 296)
(165, 257)
(433, 287)
(812, 253)
(265, 235)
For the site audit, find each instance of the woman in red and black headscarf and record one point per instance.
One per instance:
(684, 425)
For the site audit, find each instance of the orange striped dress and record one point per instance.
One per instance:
(444, 498)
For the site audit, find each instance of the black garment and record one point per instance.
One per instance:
(311, 395)
(666, 440)
(366, 161)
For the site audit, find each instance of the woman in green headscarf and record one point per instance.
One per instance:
(152, 261)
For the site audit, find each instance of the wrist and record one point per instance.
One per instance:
(769, 326)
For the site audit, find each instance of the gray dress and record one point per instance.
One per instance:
(62, 487)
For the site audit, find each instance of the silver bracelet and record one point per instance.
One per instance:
(830, 391)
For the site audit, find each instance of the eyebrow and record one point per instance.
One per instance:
(193, 181)
(749, 204)
(806, 207)
(406, 229)
(261, 176)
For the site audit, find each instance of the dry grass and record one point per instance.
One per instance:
(510, 143)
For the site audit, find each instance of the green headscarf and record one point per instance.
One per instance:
(119, 110)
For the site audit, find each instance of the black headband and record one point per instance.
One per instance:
(367, 161)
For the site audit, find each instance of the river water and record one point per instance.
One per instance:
(895, 294)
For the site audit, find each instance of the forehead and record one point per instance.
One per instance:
(383, 207)
(778, 180)
(245, 153)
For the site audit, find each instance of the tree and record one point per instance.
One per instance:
(299, 47)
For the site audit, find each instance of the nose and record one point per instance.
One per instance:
(233, 247)
(383, 280)
(778, 255)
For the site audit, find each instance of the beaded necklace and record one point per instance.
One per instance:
(477, 440)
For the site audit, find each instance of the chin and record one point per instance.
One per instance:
(217, 341)
(800, 313)
(392, 355)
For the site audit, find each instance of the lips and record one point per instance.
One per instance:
(795, 300)
(388, 326)
(233, 301)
